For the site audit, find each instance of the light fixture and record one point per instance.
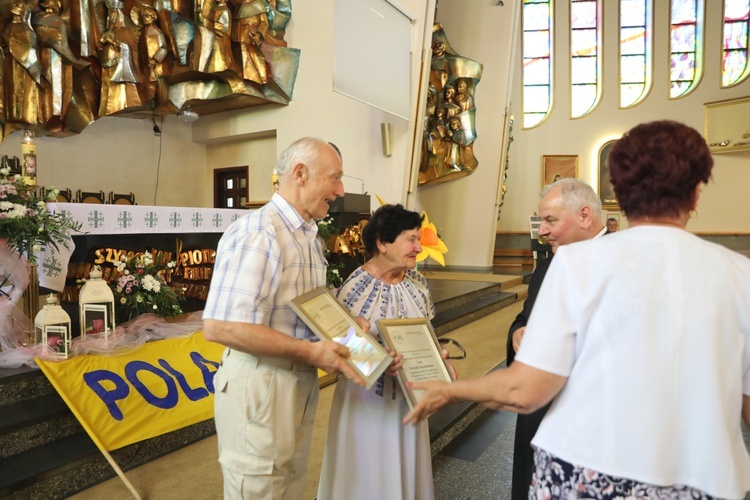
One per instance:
(97, 305)
(188, 116)
(52, 326)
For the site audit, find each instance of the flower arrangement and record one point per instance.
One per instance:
(26, 223)
(327, 230)
(140, 288)
(432, 244)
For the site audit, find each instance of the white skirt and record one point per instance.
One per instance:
(369, 453)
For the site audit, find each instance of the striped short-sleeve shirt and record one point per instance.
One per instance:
(263, 261)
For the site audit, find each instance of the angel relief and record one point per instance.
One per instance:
(449, 122)
(68, 63)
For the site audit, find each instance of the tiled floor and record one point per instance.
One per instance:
(194, 471)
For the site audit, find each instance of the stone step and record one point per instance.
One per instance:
(464, 314)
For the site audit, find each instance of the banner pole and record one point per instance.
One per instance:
(120, 473)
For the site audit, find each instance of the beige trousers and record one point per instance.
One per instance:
(264, 412)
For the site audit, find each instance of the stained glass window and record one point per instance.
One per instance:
(585, 64)
(734, 61)
(686, 46)
(635, 51)
(537, 63)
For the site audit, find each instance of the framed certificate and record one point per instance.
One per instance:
(330, 321)
(416, 341)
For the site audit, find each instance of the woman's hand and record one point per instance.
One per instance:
(449, 364)
(363, 323)
(395, 365)
(436, 396)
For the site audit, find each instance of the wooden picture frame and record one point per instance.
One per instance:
(606, 190)
(613, 215)
(726, 125)
(555, 167)
(415, 339)
(328, 320)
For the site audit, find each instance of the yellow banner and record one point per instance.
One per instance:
(160, 387)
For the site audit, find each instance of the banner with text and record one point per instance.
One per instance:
(158, 388)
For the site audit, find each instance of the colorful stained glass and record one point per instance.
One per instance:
(583, 98)
(632, 13)
(684, 11)
(583, 14)
(536, 72)
(685, 45)
(683, 67)
(735, 40)
(536, 44)
(633, 41)
(536, 99)
(583, 43)
(535, 17)
(630, 93)
(585, 65)
(583, 70)
(635, 53)
(632, 69)
(537, 66)
(683, 38)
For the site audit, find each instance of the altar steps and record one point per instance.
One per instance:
(45, 453)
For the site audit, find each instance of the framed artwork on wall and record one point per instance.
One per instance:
(555, 167)
(606, 191)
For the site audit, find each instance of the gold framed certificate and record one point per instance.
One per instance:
(330, 321)
(415, 340)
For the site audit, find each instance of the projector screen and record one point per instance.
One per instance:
(372, 54)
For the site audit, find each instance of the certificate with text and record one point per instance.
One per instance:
(415, 340)
(328, 320)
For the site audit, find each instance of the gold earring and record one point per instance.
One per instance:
(693, 214)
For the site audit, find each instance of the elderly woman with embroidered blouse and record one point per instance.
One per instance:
(368, 453)
(649, 366)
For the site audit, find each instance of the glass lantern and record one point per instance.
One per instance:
(96, 304)
(52, 328)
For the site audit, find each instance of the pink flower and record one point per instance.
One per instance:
(53, 341)
(140, 271)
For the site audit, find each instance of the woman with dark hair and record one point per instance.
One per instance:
(649, 366)
(368, 453)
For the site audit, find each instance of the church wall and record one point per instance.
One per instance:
(721, 207)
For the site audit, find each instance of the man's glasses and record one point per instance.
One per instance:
(448, 341)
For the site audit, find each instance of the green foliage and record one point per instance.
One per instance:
(140, 288)
(327, 231)
(26, 223)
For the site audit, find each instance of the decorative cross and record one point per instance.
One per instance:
(151, 219)
(197, 219)
(51, 267)
(175, 219)
(96, 219)
(124, 219)
(217, 220)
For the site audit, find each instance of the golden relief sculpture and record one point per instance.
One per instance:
(449, 128)
(67, 63)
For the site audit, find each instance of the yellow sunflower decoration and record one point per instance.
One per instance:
(432, 245)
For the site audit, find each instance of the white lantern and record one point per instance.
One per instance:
(52, 327)
(97, 305)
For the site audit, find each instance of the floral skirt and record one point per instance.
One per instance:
(554, 478)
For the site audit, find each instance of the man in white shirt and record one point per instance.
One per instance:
(266, 390)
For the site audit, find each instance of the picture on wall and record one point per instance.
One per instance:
(606, 191)
(556, 167)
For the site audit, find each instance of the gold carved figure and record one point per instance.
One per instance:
(449, 125)
(69, 62)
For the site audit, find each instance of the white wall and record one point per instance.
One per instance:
(722, 207)
(123, 155)
(464, 209)
(316, 110)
